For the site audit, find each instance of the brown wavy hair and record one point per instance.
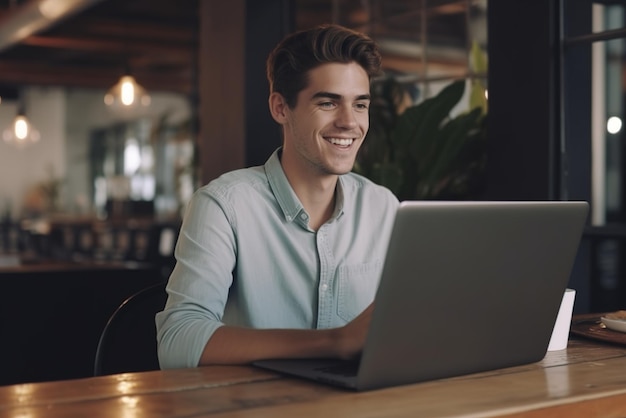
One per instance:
(291, 60)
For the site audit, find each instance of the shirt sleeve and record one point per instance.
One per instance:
(199, 284)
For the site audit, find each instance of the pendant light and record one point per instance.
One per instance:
(21, 132)
(127, 94)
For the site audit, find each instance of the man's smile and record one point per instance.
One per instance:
(343, 142)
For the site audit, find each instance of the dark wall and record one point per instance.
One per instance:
(267, 22)
(523, 150)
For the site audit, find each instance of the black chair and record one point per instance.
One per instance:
(128, 341)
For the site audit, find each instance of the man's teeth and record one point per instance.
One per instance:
(341, 141)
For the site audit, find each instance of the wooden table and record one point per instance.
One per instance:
(586, 380)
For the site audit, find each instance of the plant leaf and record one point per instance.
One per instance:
(456, 134)
(433, 118)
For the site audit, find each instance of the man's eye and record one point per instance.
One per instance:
(326, 105)
(362, 106)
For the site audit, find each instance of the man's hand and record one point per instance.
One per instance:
(351, 337)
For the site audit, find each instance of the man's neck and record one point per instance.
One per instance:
(316, 192)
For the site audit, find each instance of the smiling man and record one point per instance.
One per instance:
(283, 260)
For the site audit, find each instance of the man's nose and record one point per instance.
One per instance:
(346, 117)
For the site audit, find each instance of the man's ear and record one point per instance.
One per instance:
(278, 107)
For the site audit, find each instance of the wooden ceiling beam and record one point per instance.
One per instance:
(447, 68)
(30, 73)
(186, 33)
(113, 46)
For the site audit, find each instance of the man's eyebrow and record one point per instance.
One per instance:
(335, 96)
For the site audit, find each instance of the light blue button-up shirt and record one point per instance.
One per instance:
(247, 257)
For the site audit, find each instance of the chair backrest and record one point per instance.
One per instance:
(128, 341)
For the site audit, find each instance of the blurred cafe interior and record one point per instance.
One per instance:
(93, 189)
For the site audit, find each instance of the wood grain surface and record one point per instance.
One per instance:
(585, 380)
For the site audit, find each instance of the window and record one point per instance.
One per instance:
(593, 93)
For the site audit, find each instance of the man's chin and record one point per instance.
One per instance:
(339, 171)
(339, 167)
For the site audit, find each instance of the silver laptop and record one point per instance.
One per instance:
(466, 287)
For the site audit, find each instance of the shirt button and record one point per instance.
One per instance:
(303, 216)
(324, 287)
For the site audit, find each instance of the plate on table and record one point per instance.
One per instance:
(591, 325)
(615, 321)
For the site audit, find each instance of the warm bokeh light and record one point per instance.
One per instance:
(127, 93)
(21, 132)
(128, 90)
(21, 128)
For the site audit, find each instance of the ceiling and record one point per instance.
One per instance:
(95, 41)
(92, 45)
(402, 27)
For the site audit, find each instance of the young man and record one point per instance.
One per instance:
(283, 260)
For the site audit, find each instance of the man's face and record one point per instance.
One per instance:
(328, 124)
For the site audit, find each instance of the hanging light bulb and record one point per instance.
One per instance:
(21, 132)
(127, 94)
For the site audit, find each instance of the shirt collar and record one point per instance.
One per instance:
(339, 199)
(285, 196)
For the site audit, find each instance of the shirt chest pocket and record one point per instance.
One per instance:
(356, 288)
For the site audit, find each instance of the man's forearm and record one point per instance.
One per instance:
(233, 345)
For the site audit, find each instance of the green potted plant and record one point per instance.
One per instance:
(421, 151)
